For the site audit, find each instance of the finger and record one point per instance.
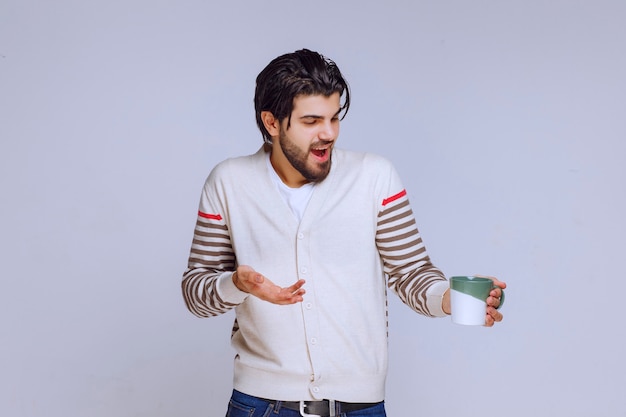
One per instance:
(495, 297)
(295, 290)
(494, 314)
(290, 298)
(286, 293)
(495, 280)
(295, 287)
(266, 290)
(499, 283)
(275, 296)
(282, 296)
(493, 301)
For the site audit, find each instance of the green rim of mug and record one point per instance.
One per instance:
(470, 285)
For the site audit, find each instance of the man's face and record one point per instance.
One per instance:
(306, 145)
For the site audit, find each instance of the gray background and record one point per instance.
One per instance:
(504, 118)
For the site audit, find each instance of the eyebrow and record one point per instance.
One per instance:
(315, 116)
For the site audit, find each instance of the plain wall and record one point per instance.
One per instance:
(505, 120)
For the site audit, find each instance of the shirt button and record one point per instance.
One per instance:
(300, 235)
(309, 306)
(303, 269)
(313, 340)
(316, 389)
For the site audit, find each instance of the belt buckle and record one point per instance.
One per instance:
(331, 409)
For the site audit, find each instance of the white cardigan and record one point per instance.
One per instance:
(356, 238)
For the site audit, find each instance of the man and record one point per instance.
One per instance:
(303, 239)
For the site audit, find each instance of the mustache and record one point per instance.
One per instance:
(321, 143)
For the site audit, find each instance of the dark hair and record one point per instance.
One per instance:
(302, 72)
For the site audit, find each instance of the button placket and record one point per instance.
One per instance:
(309, 312)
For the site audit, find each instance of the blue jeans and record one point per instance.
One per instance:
(243, 405)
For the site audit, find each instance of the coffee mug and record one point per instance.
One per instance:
(468, 299)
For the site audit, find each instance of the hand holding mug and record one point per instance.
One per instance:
(475, 300)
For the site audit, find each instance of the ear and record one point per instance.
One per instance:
(271, 123)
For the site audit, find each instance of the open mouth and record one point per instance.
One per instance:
(320, 153)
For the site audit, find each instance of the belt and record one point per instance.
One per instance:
(324, 408)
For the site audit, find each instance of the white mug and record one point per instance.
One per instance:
(468, 299)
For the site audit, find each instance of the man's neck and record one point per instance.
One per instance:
(286, 172)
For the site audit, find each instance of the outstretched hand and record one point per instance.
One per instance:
(248, 280)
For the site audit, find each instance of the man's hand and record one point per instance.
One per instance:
(493, 302)
(248, 280)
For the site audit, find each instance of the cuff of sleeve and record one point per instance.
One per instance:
(434, 297)
(228, 291)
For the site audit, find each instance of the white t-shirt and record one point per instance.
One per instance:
(296, 198)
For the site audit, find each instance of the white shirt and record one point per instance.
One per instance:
(296, 198)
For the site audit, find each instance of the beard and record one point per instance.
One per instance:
(299, 159)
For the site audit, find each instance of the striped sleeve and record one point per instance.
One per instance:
(406, 263)
(211, 261)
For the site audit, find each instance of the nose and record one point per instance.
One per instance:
(329, 131)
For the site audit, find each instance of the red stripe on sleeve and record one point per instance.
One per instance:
(210, 216)
(394, 197)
